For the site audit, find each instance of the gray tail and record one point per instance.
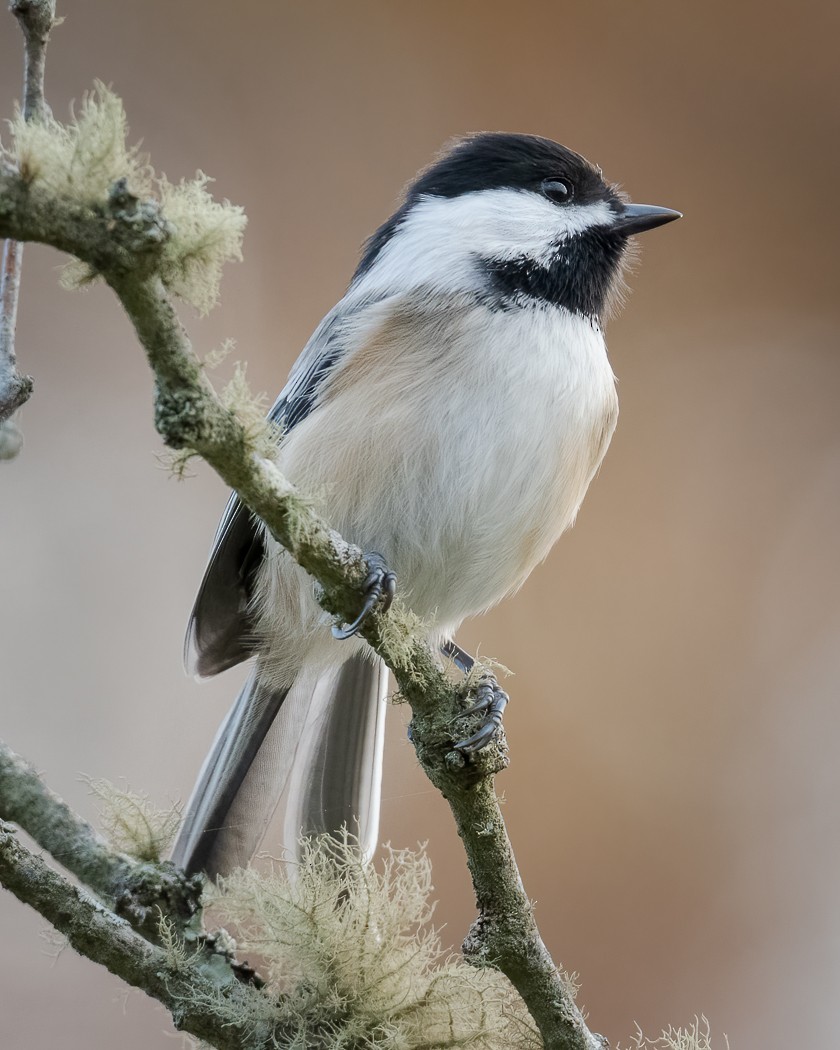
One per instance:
(319, 742)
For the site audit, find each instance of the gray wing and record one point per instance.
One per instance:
(219, 633)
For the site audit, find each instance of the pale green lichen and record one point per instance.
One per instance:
(261, 435)
(206, 234)
(83, 159)
(400, 634)
(179, 956)
(350, 951)
(132, 823)
(213, 358)
(484, 667)
(697, 1036)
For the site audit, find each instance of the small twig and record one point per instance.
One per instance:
(15, 389)
(36, 18)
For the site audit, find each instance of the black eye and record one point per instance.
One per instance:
(557, 190)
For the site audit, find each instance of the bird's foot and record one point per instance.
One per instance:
(380, 585)
(493, 700)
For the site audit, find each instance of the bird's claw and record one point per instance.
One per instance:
(380, 585)
(460, 657)
(492, 699)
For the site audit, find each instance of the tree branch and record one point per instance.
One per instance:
(36, 19)
(122, 239)
(27, 801)
(141, 891)
(231, 1016)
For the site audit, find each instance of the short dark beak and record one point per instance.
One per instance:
(636, 218)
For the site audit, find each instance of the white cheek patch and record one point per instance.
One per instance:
(575, 218)
(442, 239)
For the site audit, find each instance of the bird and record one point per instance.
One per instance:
(447, 416)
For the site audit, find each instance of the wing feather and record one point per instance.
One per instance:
(219, 631)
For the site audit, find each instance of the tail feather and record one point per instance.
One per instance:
(322, 738)
(337, 776)
(213, 832)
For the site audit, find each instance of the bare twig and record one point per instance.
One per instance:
(15, 389)
(36, 18)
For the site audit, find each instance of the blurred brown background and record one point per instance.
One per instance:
(673, 796)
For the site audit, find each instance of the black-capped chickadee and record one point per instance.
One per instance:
(449, 413)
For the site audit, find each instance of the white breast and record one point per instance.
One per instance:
(459, 442)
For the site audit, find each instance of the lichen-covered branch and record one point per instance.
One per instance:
(128, 240)
(139, 891)
(230, 1016)
(36, 20)
(27, 801)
